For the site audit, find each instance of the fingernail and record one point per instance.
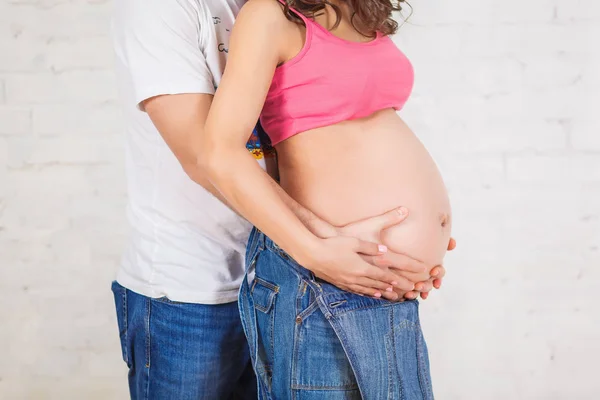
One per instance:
(378, 295)
(389, 289)
(382, 248)
(418, 287)
(402, 211)
(435, 273)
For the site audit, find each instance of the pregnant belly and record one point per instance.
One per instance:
(362, 168)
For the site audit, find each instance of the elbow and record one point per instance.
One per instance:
(209, 161)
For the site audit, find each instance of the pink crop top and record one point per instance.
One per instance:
(333, 80)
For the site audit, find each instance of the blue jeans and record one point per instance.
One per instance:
(181, 351)
(310, 340)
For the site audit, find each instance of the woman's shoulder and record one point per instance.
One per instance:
(264, 16)
(265, 11)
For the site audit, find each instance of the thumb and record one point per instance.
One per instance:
(390, 218)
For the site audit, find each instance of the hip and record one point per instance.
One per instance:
(350, 345)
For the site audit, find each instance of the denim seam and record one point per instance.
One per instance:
(147, 369)
(361, 308)
(295, 357)
(423, 376)
(147, 326)
(272, 344)
(413, 328)
(254, 340)
(125, 325)
(271, 301)
(300, 295)
(391, 379)
(308, 311)
(390, 384)
(293, 264)
(345, 388)
(266, 284)
(421, 366)
(342, 338)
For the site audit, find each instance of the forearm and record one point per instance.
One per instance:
(255, 195)
(311, 221)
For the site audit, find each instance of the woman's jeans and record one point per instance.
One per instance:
(310, 340)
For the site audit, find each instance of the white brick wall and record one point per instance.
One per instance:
(505, 99)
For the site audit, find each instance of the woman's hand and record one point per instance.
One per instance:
(339, 261)
(437, 274)
(369, 229)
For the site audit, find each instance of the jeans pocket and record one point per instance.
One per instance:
(320, 366)
(120, 295)
(264, 295)
(408, 363)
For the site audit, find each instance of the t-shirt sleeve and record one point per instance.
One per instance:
(158, 42)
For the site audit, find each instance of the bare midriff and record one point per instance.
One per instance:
(361, 168)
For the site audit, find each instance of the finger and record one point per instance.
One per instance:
(384, 275)
(389, 219)
(451, 244)
(370, 248)
(364, 291)
(426, 286)
(438, 272)
(437, 283)
(391, 296)
(372, 283)
(400, 262)
(424, 295)
(411, 295)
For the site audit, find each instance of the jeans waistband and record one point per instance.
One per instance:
(258, 241)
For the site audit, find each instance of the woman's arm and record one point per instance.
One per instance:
(257, 46)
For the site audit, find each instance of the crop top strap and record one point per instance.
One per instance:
(307, 21)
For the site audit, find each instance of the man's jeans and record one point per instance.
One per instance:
(310, 340)
(180, 351)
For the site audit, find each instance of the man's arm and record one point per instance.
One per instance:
(179, 119)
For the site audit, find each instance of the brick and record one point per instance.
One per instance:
(483, 13)
(58, 19)
(555, 70)
(2, 91)
(32, 54)
(15, 121)
(490, 124)
(68, 149)
(580, 168)
(19, 148)
(584, 132)
(102, 119)
(3, 152)
(578, 10)
(74, 87)
(445, 42)
(472, 171)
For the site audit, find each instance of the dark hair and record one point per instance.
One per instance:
(374, 15)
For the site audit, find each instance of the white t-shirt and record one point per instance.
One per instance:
(185, 244)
